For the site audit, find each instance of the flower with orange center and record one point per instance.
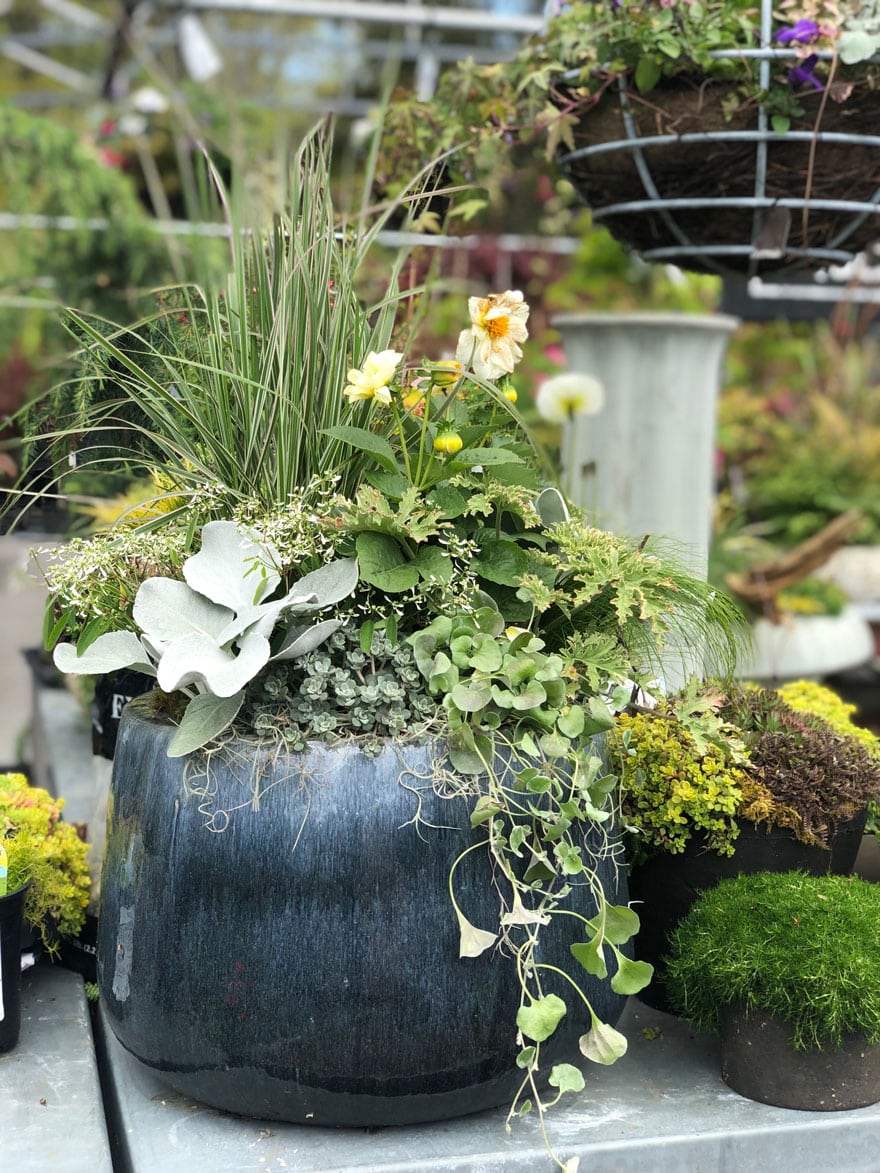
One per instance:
(490, 348)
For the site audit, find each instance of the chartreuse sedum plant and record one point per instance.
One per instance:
(47, 854)
(675, 785)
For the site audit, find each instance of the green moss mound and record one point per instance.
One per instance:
(805, 948)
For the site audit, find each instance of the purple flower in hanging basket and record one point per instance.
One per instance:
(802, 32)
(802, 74)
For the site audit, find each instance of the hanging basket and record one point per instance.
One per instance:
(672, 176)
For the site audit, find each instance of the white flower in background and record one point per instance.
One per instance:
(564, 396)
(373, 379)
(490, 348)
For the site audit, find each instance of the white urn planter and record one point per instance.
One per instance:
(645, 463)
(805, 646)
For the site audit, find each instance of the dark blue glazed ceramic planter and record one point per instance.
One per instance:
(301, 963)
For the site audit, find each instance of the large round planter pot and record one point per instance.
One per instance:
(664, 887)
(301, 961)
(758, 1061)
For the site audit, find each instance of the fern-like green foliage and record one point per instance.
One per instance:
(803, 947)
(649, 602)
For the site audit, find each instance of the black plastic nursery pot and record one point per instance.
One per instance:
(300, 961)
(664, 887)
(758, 1061)
(11, 921)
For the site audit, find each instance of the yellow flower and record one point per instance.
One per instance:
(448, 442)
(565, 396)
(498, 324)
(373, 379)
(414, 399)
(509, 393)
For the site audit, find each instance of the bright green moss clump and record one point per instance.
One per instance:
(805, 948)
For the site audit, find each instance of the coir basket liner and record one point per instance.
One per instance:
(674, 178)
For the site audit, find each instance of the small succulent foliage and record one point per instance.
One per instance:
(359, 683)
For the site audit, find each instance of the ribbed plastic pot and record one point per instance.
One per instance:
(758, 1061)
(11, 920)
(301, 963)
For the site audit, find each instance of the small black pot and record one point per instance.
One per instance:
(113, 691)
(664, 887)
(80, 954)
(11, 916)
(757, 1061)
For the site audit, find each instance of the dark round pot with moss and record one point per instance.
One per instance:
(784, 968)
(726, 780)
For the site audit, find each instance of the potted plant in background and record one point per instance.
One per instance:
(801, 624)
(426, 777)
(685, 143)
(809, 697)
(44, 885)
(784, 968)
(723, 779)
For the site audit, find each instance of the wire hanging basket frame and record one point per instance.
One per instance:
(745, 232)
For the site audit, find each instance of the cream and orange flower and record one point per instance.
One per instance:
(373, 380)
(490, 348)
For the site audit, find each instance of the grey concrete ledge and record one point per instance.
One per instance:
(662, 1107)
(51, 1110)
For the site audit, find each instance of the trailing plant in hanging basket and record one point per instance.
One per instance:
(711, 135)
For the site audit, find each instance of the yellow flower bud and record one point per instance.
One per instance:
(510, 394)
(448, 442)
(445, 372)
